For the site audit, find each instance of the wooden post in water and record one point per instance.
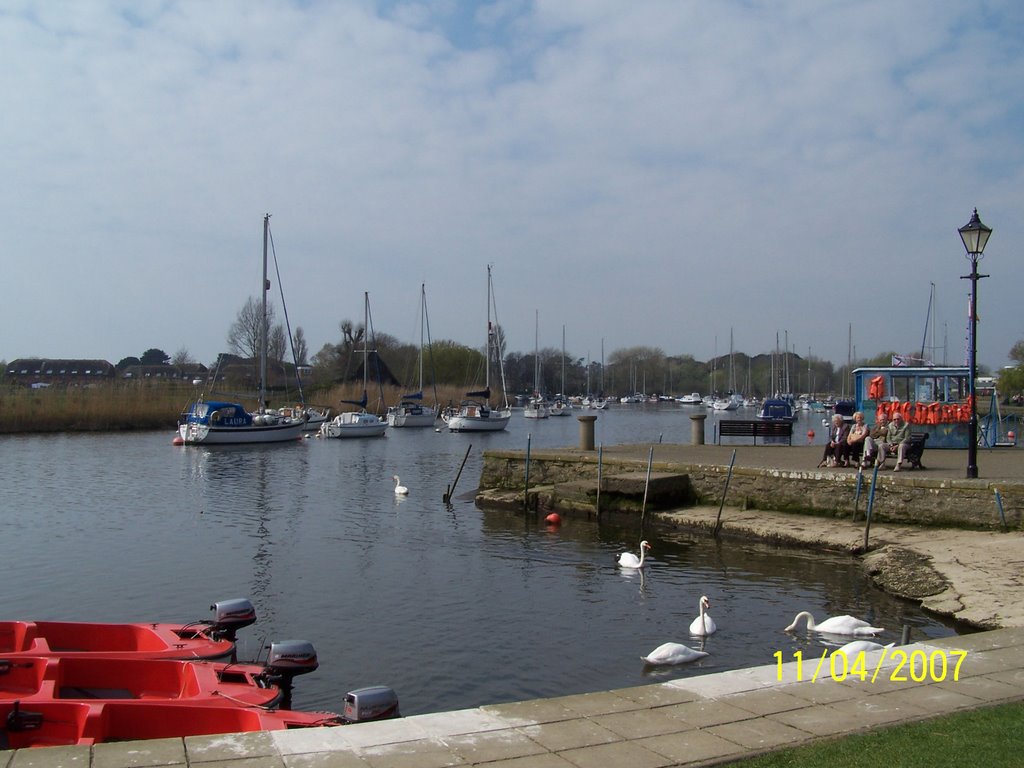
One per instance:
(451, 488)
(728, 477)
(600, 456)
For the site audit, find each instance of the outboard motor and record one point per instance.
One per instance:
(377, 702)
(287, 660)
(229, 616)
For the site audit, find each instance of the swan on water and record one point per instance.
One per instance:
(703, 625)
(673, 653)
(837, 625)
(401, 490)
(854, 647)
(629, 560)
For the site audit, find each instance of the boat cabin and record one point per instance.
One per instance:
(936, 400)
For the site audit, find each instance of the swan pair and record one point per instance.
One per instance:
(837, 625)
(677, 653)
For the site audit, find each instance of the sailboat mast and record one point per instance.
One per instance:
(263, 318)
(487, 366)
(366, 340)
(423, 323)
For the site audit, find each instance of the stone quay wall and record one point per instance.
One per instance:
(567, 481)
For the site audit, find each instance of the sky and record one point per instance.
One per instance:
(658, 173)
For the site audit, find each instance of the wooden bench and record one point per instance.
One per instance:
(915, 449)
(755, 428)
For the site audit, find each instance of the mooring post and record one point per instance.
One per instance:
(697, 428)
(999, 506)
(586, 432)
(451, 488)
(647, 484)
(600, 457)
(871, 504)
(526, 488)
(905, 636)
(728, 477)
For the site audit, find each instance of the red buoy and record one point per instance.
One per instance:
(810, 436)
(553, 519)
(177, 440)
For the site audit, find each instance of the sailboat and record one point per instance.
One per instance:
(410, 411)
(561, 406)
(359, 423)
(536, 408)
(477, 415)
(217, 422)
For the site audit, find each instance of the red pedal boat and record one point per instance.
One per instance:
(39, 678)
(63, 723)
(211, 640)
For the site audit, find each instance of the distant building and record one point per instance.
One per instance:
(165, 372)
(38, 372)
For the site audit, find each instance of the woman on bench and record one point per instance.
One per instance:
(837, 450)
(855, 438)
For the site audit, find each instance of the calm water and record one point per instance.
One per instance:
(451, 606)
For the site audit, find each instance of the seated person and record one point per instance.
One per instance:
(855, 438)
(837, 451)
(897, 438)
(875, 437)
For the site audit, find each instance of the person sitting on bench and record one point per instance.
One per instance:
(855, 438)
(897, 437)
(837, 450)
(876, 436)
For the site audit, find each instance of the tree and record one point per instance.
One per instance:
(154, 357)
(182, 357)
(300, 347)
(244, 334)
(277, 343)
(1017, 352)
(126, 362)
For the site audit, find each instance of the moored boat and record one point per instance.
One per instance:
(209, 640)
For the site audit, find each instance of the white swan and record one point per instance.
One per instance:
(703, 625)
(401, 490)
(854, 647)
(673, 653)
(837, 625)
(629, 560)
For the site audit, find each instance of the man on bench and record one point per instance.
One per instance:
(897, 437)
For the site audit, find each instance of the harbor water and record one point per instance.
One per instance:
(451, 606)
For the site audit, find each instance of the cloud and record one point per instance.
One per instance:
(651, 173)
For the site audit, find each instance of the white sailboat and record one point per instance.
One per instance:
(359, 423)
(410, 411)
(561, 406)
(477, 415)
(536, 407)
(216, 422)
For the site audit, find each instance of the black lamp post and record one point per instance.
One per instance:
(975, 235)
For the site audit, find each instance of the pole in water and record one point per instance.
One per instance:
(647, 484)
(451, 489)
(725, 491)
(905, 637)
(526, 488)
(871, 504)
(600, 455)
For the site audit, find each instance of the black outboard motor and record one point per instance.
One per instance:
(229, 616)
(287, 660)
(377, 702)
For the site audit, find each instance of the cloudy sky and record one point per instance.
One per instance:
(641, 172)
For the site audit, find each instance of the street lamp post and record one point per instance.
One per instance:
(975, 235)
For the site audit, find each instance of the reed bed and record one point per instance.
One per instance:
(150, 406)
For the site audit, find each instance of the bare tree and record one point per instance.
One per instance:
(244, 334)
(182, 357)
(277, 343)
(300, 346)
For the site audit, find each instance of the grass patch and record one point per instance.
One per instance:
(992, 737)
